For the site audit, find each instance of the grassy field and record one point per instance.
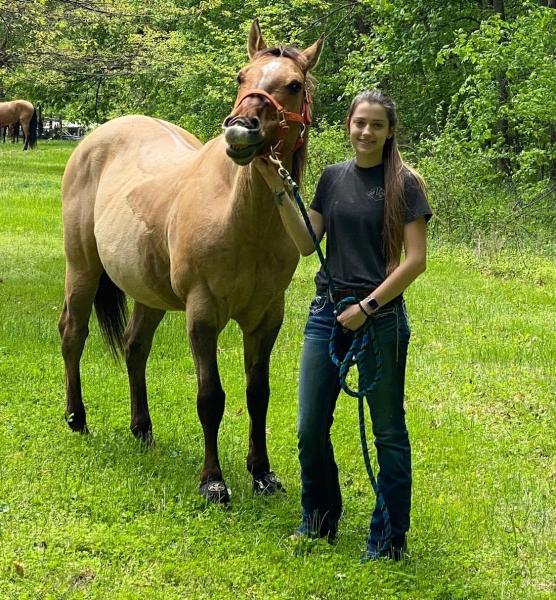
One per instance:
(100, 517)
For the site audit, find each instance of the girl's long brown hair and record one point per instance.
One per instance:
(395, 173)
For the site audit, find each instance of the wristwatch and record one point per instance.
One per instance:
(371, 304)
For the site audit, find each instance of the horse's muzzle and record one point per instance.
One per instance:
(243, 142)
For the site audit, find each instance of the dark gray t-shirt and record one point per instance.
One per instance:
(351, 200)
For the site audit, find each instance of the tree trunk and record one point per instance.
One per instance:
(498, 7)
(502, 162)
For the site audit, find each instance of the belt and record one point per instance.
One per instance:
(359, 294)
(341, 293)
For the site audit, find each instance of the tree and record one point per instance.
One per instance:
(527, 111)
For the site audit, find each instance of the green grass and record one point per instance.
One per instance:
(99, 517)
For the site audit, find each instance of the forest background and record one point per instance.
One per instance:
(474, 81)
(98, 517)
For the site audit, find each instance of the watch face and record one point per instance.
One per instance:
(372, 304)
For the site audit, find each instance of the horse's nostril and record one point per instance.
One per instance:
(253, 123)
(229, 121)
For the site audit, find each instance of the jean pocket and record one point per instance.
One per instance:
(391, 327)
(317, 305)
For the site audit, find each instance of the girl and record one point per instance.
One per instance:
(369, 208)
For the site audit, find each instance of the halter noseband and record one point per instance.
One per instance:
(303, 118)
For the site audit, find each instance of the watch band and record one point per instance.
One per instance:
(368, 314)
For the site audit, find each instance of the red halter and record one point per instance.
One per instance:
(303, 118)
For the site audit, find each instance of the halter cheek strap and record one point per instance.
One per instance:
(303, 118)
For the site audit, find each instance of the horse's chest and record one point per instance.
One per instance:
(257, 277)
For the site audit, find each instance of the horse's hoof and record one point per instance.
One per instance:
(77, 423)
(215, 491)
(267, 484)
(145, 437)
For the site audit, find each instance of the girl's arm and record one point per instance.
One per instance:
(415, 263)
(293, 223)
(415, 250)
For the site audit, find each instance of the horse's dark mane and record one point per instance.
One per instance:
(300, 156)
(298, 161)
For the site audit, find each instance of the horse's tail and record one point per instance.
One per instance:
(33, 130)
(111, 310)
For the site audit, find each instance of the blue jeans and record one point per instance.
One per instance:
(319, 388)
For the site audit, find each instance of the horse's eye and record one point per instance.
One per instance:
(239, 78)
(294, 86)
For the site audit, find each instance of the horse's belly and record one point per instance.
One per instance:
(131, 257)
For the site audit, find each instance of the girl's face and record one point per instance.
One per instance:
(368, 131)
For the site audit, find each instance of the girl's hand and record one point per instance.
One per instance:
(352, 317)
(270, 175)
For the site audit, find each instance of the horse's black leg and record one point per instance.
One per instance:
(74, 329)
(138, 340)
(257, 348)
(25, 127)
(210, 405)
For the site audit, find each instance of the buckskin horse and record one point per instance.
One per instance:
(23, 112)
(150, 212)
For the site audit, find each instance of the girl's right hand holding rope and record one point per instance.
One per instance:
(352, 317)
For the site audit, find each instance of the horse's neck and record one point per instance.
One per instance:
(250, 205)
(253, 207)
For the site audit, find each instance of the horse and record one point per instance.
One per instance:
(21, 111)
(151, 213)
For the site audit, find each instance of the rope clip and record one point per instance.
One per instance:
(282, 171)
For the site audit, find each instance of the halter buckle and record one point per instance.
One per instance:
(283, 123)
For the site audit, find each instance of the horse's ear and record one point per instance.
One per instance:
(256, 42)
(312, 53)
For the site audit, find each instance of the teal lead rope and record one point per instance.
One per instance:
(355, 354)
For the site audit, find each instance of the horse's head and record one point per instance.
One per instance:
(273, 105)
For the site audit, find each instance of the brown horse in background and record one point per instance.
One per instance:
(23, 112)
(152, 213)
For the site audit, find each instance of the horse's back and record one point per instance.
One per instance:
(25, 106)
(14, 110)
(125, 152)
(147, 144)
